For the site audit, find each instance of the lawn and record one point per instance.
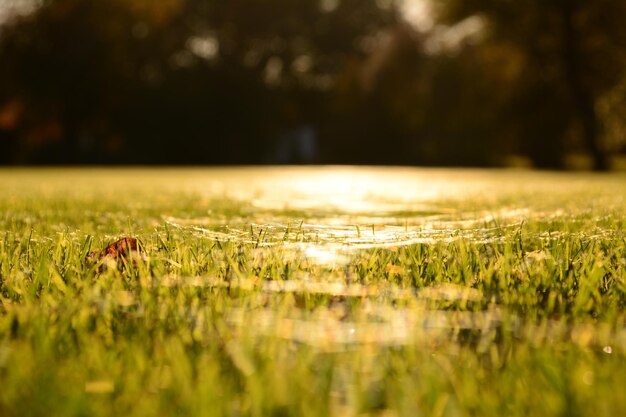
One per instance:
(313, 292)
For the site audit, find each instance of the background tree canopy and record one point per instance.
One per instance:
(463, 82)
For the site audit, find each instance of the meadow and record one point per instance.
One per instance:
(313, 291)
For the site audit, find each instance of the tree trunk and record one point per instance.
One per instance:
(583, 100)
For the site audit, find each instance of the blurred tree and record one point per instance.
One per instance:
(60, 67)
(172, 81)
(416, 101)
(209, 81)
(572, 52)
(612, 111)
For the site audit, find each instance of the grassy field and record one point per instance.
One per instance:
(313, 292)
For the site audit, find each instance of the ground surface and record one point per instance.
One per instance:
(313, 291)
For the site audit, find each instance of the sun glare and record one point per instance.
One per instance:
(418, 13)
(353, 190)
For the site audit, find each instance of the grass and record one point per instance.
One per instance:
(313, 292)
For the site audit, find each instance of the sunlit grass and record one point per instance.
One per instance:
(315, 291)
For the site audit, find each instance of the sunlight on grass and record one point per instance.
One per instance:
(313, 291)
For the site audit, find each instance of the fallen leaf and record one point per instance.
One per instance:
(124, 248)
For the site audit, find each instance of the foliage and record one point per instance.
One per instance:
(193, 81)
(572, 52)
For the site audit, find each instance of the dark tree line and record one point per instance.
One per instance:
(572, 53)
(346, 81)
